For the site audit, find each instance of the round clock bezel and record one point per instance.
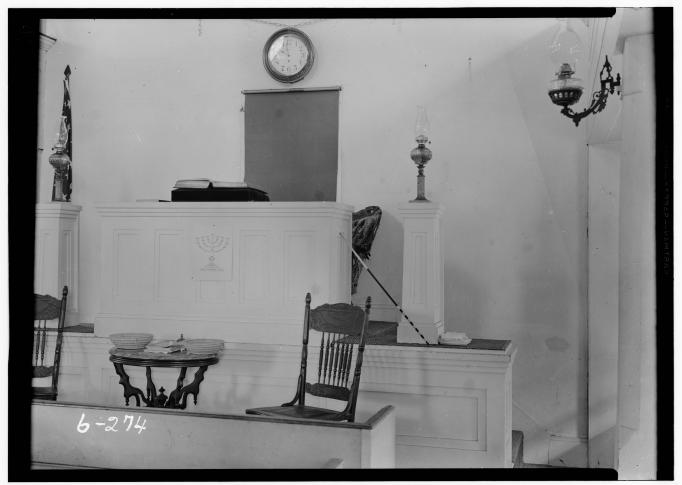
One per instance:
(285, 78)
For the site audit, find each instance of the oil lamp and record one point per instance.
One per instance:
(566, 90)
(421, 155)
(61, 162)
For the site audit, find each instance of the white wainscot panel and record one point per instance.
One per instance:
(131, 257)
(461, 416)
(299, 263)
(169, 252)
(255, 266)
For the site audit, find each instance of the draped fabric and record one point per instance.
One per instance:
(46, 307)
(66, 113)
(365, 225)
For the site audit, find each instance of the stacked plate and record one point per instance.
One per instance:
(204, 346)
(131, 341)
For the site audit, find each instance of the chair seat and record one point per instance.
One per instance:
(44, 393)
(302, 412)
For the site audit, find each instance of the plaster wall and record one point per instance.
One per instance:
(637, 278)
(156, 101)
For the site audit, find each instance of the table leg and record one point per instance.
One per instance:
(151, 388)
(128, 389)
(179, 399)
(174, 397)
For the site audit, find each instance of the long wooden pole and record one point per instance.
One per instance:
(385, 290)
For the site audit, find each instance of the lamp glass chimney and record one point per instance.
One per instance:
(566, 47)
(422, 125)
(62, 134)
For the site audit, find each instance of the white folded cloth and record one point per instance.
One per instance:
(454, 338)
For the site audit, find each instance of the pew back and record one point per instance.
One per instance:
(133, 438)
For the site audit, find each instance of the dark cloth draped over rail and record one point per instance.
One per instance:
(365, 225)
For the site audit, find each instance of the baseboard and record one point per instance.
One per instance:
(39, 465)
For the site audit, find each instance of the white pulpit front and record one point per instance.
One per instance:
(236, 271)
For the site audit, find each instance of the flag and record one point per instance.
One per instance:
(66, 112)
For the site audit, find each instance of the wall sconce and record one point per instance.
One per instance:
(61, 162)
(565, 90)
(421, 155)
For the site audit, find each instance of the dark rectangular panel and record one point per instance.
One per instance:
(291, 144)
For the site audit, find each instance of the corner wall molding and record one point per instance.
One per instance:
(46, 42)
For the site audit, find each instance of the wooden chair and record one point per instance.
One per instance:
(341, 327)
(48, 308)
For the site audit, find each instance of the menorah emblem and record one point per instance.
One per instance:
(212, 244)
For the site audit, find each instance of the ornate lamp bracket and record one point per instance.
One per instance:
(608, 85)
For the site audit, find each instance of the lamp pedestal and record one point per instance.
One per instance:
(56, 253)
(423, 272)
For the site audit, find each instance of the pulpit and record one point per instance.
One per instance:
(235, 271)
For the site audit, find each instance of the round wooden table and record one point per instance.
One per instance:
(140, 358)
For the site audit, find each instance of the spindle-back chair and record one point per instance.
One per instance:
(341, 326)
(48, 308)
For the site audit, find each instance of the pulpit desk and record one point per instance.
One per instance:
(178, 398)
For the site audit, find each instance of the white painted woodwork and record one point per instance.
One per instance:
(46, 122)
(174, 439)
(603, 213)
(45, 43)
(423, 272)
(637, 277)
(237, 271)
(453, 406)
(56, 253)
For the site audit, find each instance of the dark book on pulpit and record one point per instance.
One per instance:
(207, 184)
(216, 193)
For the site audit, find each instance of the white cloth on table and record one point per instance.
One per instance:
(454, 338)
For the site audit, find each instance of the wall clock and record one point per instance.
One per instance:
(288, 55)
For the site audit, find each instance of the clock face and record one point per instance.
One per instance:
(288, 55)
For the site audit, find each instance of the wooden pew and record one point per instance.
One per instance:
(136, 438)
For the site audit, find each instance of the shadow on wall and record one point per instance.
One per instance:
(465, 294)
(530, 286)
